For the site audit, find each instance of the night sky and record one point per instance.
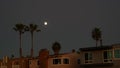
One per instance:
(70, 22)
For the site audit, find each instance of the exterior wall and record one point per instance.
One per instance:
(15, 66)
(73, 57)
(34, 63)
(43, 58)
(46, 61)
(15, 63)
(5, 62)
(97, 56)
(98, 59)
(3, 66)
(24, 63)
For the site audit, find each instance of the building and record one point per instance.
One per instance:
(100, 57)
(14, 62)
(66, 60)
(89, 57)
(34, 63)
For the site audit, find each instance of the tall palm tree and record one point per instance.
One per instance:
(96, 35)
(32, 28)
(56, 47)
(19, 28)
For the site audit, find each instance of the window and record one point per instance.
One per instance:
(38, 62)
(78, 61)
(107, 56)
(56, 61)
(16, 63)
(88, 57)
(65, 61)
(117, 53)
(29, 61)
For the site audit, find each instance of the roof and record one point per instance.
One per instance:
(96, 48)
(61, 54)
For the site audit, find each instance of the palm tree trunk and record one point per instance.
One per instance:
(31, 44)
(20, 45)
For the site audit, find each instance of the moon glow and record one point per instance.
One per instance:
(45, 23)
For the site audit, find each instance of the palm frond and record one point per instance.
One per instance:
(15, 29)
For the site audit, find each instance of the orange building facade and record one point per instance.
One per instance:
(89, 57)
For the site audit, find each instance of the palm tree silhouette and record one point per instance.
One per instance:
(56, 47)
(32, 28)
(19, 28)
(96, 35)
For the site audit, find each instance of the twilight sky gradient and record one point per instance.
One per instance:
(70, 22)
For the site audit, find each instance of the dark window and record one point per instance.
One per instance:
(38, 62)
(117, 53)
(88, 57)
(29, 62)
(16, 63)
(65, 61)
(78, 61)
(107, 56)
(56, 61)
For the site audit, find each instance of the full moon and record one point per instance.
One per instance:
(45, 23)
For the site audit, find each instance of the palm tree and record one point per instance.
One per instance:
(96, 35)
(20, 28)
(56, 47)
(32, 28)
